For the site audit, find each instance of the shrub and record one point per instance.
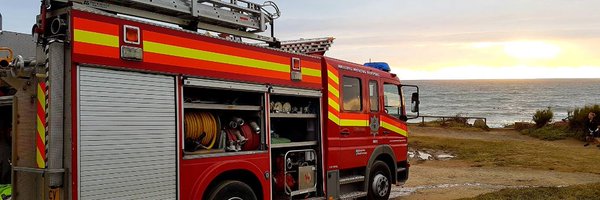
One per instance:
(550, 132)
(543, 117)
(577, 118)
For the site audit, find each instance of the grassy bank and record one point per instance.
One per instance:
(523, 154)
(587, 191)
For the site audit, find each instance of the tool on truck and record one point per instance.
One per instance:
(117, 106)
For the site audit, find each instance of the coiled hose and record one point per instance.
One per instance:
(202, 127)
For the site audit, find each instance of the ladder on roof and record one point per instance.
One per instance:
(239, 18)
(314, 46)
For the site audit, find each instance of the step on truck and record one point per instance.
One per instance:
(129, 100)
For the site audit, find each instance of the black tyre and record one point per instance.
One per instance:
(232, 190)
(380, 181)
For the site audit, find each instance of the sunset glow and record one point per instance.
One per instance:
(531, 50)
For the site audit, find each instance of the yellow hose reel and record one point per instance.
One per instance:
(202, 127)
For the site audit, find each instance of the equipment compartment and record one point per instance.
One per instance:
(219, 121)
(295, 138)
(294, 121)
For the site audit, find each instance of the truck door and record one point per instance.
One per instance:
(354, 122)
(392, 124)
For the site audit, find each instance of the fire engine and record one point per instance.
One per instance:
(127, 99)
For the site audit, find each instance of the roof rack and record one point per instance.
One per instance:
(239, 18)
(314, 46)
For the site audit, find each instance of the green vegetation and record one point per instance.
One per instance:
(514, 153)
(587, 191)
(543, 117)
(550, 132)
(574, 127)
(577, 118)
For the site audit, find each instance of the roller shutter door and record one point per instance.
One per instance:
(127, 135)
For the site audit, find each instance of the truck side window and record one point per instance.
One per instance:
(351, 94)
(374, 95)
(392, 99)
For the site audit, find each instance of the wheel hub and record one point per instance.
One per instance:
(380, 185)
(235, 198)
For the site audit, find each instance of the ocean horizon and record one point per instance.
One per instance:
(505, 101)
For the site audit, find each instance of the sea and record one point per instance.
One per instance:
(503, 102)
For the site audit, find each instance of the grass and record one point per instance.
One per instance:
(449, 125)
(522, 154)
(549, 133)
(587, 191)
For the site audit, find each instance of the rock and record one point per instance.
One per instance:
(480, 123)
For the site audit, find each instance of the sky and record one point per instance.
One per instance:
(435, 39)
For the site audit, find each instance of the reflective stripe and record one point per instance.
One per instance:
(333, 91)
(41, 129)
(394, 128)
(393, 122)
(333, 77)
(333, 104)
(311, 72)
(171, 50)
(354, 122)
(41, 96)
(41, 163)
(96, 38)
(41, 126)
(335, 119)
(95, 26)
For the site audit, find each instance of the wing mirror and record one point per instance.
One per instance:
(414, 102)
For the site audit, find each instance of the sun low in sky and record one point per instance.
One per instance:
(432, 39)
(459, 39)
(519, 59)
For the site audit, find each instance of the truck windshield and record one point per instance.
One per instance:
(392, 99)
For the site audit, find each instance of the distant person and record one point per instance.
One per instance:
(593, 128)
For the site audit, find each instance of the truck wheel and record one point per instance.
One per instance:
(380, 181)
(232, 190)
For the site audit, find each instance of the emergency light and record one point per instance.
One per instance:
(379, 65)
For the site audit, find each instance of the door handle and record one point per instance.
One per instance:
(345, 132)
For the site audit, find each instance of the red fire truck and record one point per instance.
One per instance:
(127, 100)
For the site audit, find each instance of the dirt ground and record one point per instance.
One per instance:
(456, 179)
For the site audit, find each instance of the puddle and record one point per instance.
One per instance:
(424, 156)
(428, 154)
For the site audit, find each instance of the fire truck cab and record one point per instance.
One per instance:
(115, 107)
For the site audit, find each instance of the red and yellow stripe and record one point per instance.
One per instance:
(352, 119)
(393, 125)
(333, 95)
(41, 125)
(92, 37)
